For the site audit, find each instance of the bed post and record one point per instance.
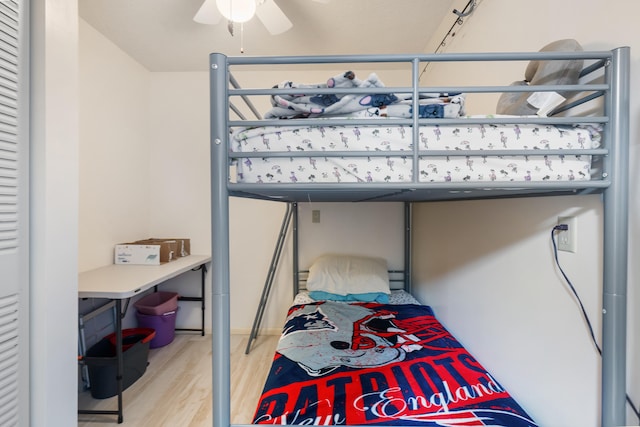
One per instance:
(220, 324)
(295, 263)
(407, 247)
(615, 229)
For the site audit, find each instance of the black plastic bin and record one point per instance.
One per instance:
(102, 362)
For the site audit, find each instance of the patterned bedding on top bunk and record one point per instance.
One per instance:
(380, 137)
(287, 106)
(371, 363)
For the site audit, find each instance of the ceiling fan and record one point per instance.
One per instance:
(268, 12)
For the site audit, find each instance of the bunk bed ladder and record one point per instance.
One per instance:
(275, 259)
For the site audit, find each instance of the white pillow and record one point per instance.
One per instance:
(348, 274)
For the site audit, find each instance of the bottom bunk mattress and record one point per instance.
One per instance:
(263, 167)
(371, 363)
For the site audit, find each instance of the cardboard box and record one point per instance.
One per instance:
(152, 251)
(183, 246)
(147, 252)
(172, 252)
(131, 253)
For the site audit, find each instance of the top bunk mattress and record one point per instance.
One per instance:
(383, 152)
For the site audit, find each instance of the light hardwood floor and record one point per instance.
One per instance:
(176, 388)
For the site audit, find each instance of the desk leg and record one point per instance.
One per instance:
(120, 356)
(200, 298)
(203, 269)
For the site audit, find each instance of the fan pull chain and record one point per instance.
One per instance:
(242, 38)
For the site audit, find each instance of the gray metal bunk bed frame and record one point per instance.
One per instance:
(612, 184)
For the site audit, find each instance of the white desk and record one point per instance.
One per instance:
(117, 281)
(121, 282)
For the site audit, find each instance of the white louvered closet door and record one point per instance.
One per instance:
(14, 214)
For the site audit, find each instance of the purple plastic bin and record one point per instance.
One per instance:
(164, 325)
(157, 303)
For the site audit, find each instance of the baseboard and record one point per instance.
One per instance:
(263, 331)
(241, 331)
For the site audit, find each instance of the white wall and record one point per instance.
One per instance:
(342, 229)
(115, 144)
(487, 270)
(487, 267)
(114, 164)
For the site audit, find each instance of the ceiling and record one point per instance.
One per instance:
(162, 36)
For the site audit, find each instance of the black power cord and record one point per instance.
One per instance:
(564, 227)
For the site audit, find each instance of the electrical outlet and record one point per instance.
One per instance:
(315, 216)
(568, 239)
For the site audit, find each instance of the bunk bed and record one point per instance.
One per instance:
(236, 156)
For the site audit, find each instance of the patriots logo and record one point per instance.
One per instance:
(308, 321)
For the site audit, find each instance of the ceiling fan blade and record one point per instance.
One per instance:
(208, 13)
(273, 18)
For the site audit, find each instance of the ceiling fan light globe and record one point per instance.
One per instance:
(237, 10)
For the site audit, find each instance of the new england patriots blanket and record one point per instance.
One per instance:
(369, 363)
